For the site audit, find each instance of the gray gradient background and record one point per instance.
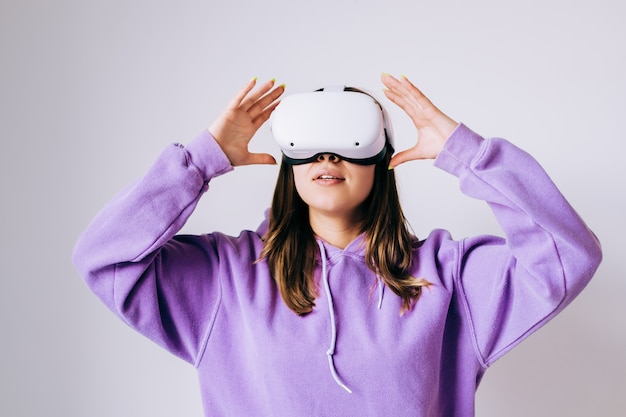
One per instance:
(91, 91)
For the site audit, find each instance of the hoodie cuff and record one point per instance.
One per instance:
(207, 156)
(461, 148)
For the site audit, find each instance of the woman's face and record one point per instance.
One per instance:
(334, 187)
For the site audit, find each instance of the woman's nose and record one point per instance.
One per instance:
(330, 157)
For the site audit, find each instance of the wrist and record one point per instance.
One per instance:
(446, 127)
(206, 155)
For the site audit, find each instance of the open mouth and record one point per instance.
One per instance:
(328, 179)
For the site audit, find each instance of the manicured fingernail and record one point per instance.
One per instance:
(273, 80)
(403, 76)
(384, 74)
(283, 85)
(389, 168)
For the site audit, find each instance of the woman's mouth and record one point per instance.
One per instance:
(327, 179)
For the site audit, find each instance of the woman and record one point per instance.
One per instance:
(334, 318)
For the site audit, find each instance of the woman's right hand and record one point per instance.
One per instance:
(241, 119)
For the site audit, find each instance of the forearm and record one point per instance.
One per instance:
(147, 214)
(524, 199)
(512, 286)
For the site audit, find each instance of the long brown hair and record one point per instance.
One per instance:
(290, 248)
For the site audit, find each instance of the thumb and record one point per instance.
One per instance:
(402, 157)
(260, 159)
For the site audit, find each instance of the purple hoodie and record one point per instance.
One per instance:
(206, 299)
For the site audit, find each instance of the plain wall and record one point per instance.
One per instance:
(91, 91)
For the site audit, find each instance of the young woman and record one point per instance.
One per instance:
(331, 307)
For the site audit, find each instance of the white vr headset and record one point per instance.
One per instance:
(343, 121)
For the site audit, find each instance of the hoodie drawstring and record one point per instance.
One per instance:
(381, 291)
(333, 324)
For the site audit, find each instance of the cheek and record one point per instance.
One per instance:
(366, 180)
(299, 179)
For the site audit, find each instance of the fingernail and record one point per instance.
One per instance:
(403, 76)
(389, 168)
(273, 80)
(254, 78)
(283, 85)
(384, 74)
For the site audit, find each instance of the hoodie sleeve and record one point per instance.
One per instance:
(130, 259)
(511, 286)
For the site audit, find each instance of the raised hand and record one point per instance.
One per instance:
(241, 119)
(433, 126)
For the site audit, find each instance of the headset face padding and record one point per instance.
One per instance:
(349, 124)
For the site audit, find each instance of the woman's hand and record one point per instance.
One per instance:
(433, 126)
(241, 119)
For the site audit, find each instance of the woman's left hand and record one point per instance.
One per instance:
(433, 126)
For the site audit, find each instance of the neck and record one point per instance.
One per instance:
(338, 231)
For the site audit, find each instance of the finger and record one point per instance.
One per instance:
(266, 101)
(411, 99)
(418, 98)
(242, 93)
(254, 96)
(398, 100)
(398, 93)
(259, 159)
(395, 85)
(402, 86)
(402, 157)
(388, 79)
(406, 91)
(409, 86)
(265, 115)
(394, 97)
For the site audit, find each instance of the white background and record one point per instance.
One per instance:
(91, 91)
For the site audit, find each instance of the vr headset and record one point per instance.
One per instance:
(346, 122)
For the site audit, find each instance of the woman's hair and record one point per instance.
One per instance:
(290, 247)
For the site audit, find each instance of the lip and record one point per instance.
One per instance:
(327, 176)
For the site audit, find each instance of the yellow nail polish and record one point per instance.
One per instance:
(384, 74)
(273, 80)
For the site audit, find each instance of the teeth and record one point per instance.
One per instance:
(326, 177)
